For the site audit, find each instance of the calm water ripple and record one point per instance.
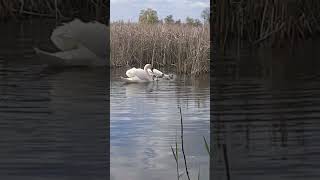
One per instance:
(53, 122)
(270, 125)
(145, 122)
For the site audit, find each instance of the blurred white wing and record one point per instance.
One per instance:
(92, 35)
(80, 43)
(74, 57)
(131, 72)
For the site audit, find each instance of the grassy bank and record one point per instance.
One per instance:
(185, 47)
(266, 22)
(59, 9)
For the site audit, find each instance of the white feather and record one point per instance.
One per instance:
(138, 75)
(80, 43)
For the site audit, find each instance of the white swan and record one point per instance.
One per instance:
(138, 75)
(81, 44)
(156, 73)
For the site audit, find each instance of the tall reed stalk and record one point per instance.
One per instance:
(185, 47)
(54, 8)
(268, 22)
(175, 151)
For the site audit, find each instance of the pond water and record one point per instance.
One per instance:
(266, 110)
(145, 122)
(53, 122)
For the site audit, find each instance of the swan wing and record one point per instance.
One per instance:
(158, 73)
(92, 35)
(131, 72)
(134, 79)
(143, 75)
(74, 57)
(150, 72)
(49, 58)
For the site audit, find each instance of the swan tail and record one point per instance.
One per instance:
(75, 57)
(126, 80)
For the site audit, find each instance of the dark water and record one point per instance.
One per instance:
(53, 122)
(266, 110)
(145, 122)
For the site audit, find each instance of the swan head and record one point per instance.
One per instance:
(148, 66)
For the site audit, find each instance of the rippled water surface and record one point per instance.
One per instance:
(145, 122)
(53, 122)
(267, 114)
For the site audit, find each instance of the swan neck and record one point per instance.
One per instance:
(148, 74)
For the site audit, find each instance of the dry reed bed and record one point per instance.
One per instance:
(185, 47)
(272, 22)
(50, 8)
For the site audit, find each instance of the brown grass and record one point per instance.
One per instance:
(270, 22)
(185, 47)
(53, 8)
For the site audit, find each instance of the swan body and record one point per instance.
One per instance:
(131, 72)
(137, 75)
(80, 44)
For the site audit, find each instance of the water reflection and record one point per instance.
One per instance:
(52, 122)
(145, 121)
(134, 90)
(267, 117)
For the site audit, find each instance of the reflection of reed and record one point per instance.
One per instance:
(226, 161)
(265, 124)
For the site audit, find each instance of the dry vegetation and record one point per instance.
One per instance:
(53, 8)
(271, 22)
(185, 47)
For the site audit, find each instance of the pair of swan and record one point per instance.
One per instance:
(147, 74)
(80, 44)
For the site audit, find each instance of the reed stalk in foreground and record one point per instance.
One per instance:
(182, 147)
(185, 47)
(175, 151)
